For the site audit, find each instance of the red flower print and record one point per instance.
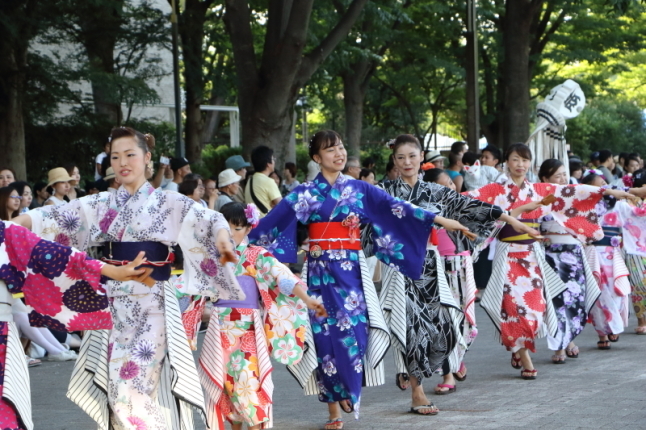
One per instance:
(509, 306)
(509, 332)
(266, 299)
(534, 299)
(62, 239)
(79, 267)
(91, 321)
(585, 205)
(568, 191)
(558, 205)
(517, 270)
(225, 341)
(610, 219)
(138, 423)
(263, 398)
(22, 242)
(581, 226)
(43, 295)
(248, 342)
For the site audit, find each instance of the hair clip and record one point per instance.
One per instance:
(390, 144)
(592, 172)
(428, 166)
(252, 214)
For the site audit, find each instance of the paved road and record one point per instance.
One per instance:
(600, 389)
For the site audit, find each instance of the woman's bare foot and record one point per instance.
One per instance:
(419, 399)
(447, 380)
(334, 422)
(525, 359)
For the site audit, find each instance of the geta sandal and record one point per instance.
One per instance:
(603, 345)
(572, 352)
(516, 363)
(398, 382)
(416, 409)
(451, 389)
(558, 359)
(613, 337)
(529, 374)
(463, 371)
(334, 424)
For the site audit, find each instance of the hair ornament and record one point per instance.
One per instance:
(252, 214)
(390, 144)
(628, 180)
(428, 166)
(592, 172)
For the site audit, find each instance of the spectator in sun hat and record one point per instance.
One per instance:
(436, 158)
(229, 185)
(180, 167)
(58, 185)
(239, 166)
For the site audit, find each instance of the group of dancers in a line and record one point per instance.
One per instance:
(135, 369)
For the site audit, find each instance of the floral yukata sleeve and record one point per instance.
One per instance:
(400, 230)
(59, 283)
(286, 316)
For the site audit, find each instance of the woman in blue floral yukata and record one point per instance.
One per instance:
(352, 341)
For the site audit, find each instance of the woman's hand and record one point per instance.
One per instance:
(527, 207)
(524, 229)
(639, 192)
(621, 195)
(317, 307)
(223, 243)
(129, 272)
(450, 224)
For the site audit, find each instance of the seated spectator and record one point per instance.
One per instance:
(239, 166)
(193, 187)
(276, 177)
(606, 165)
(9, 203)
(491, 156)
(367, 175)
(290, 181)
(436, 158)
(229, 183)
(352, 167)
(576, 171)
(211, 192)
(180, 167)
(391, 171)
(40, 195)
(261, 190)
(455, 166)
(475, 174)
(459, 148)
(439, 176)
(24, 191)
(7, 176)
(111, 180)
(75, 190)
(58, 185)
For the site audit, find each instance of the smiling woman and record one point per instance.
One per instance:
(351, 343)
(146, 316)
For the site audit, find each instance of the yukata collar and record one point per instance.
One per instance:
(339, 183)
(123, 196)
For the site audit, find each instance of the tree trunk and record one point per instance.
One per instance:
(100, 24)
(516, 42)
(12, 128)
(353, 97)
(191, 30)
(267, 92)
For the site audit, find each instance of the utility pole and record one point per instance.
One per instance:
(179, 143)
(473, 103)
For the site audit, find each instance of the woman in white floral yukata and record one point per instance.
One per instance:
(141, 374)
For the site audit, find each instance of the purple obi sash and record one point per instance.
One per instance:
(159, 256)
(250, 289)
(509, 235)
